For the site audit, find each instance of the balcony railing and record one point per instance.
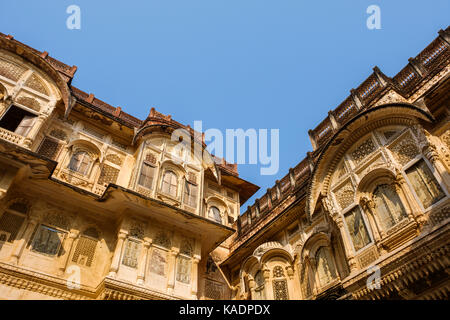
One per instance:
(10, 136)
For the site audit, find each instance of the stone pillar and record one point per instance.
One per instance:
(251, 287)
(312, 138)
(269, 199)
(117, 253)
(413, 209)
(292, 177)
(369, 207)
(17, 251)
(432, 155)
(28, 141)
(313, 266)
(418, 68)
(334, 123)
(356, 99)
(268, 293)
(95, 172)
(172, 271)
(194, 277)
(68, 248)
(143, 263)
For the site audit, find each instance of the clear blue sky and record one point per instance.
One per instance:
(230, 63)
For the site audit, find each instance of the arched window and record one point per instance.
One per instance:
(170, 183)
(80, 162)
(324, 267)
(388, 206)
(214, 213)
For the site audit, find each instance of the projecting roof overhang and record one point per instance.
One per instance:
(116, 197)
(210, 232)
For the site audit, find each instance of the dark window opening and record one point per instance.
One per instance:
(17, 120)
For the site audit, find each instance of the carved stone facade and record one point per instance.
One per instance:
(373, 196)
(97, 204)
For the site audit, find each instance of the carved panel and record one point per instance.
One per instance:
(29, 102)
(114, 158)
(363, 150)
(162, 239)
(108, 174)
(84, 251)
(35, 83)
(49, 148)
(213, 290)
(367, 257)
(59, 134)
(136, 229)
(345, 195)
(445, 137)
(278, 272)
(58, 220)
(11, 223)
(280, 290)
(10, 70)
(186, 247)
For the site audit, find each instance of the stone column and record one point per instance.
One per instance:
(413, 209)
(143, 262)
(95, 172)
(251, 287)
(117, 253)
(368, 206)
(172, 271)
(194, 277)
(68, 248)
(433, 156)
(17, 251)
(37, 125)
(378, 233)
(347, 245)
(268, 293)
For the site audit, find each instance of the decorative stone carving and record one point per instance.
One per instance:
(263, 248)
(114, 158)
(137, 229)
(345, 195)
(404, 150)
(162, 239)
